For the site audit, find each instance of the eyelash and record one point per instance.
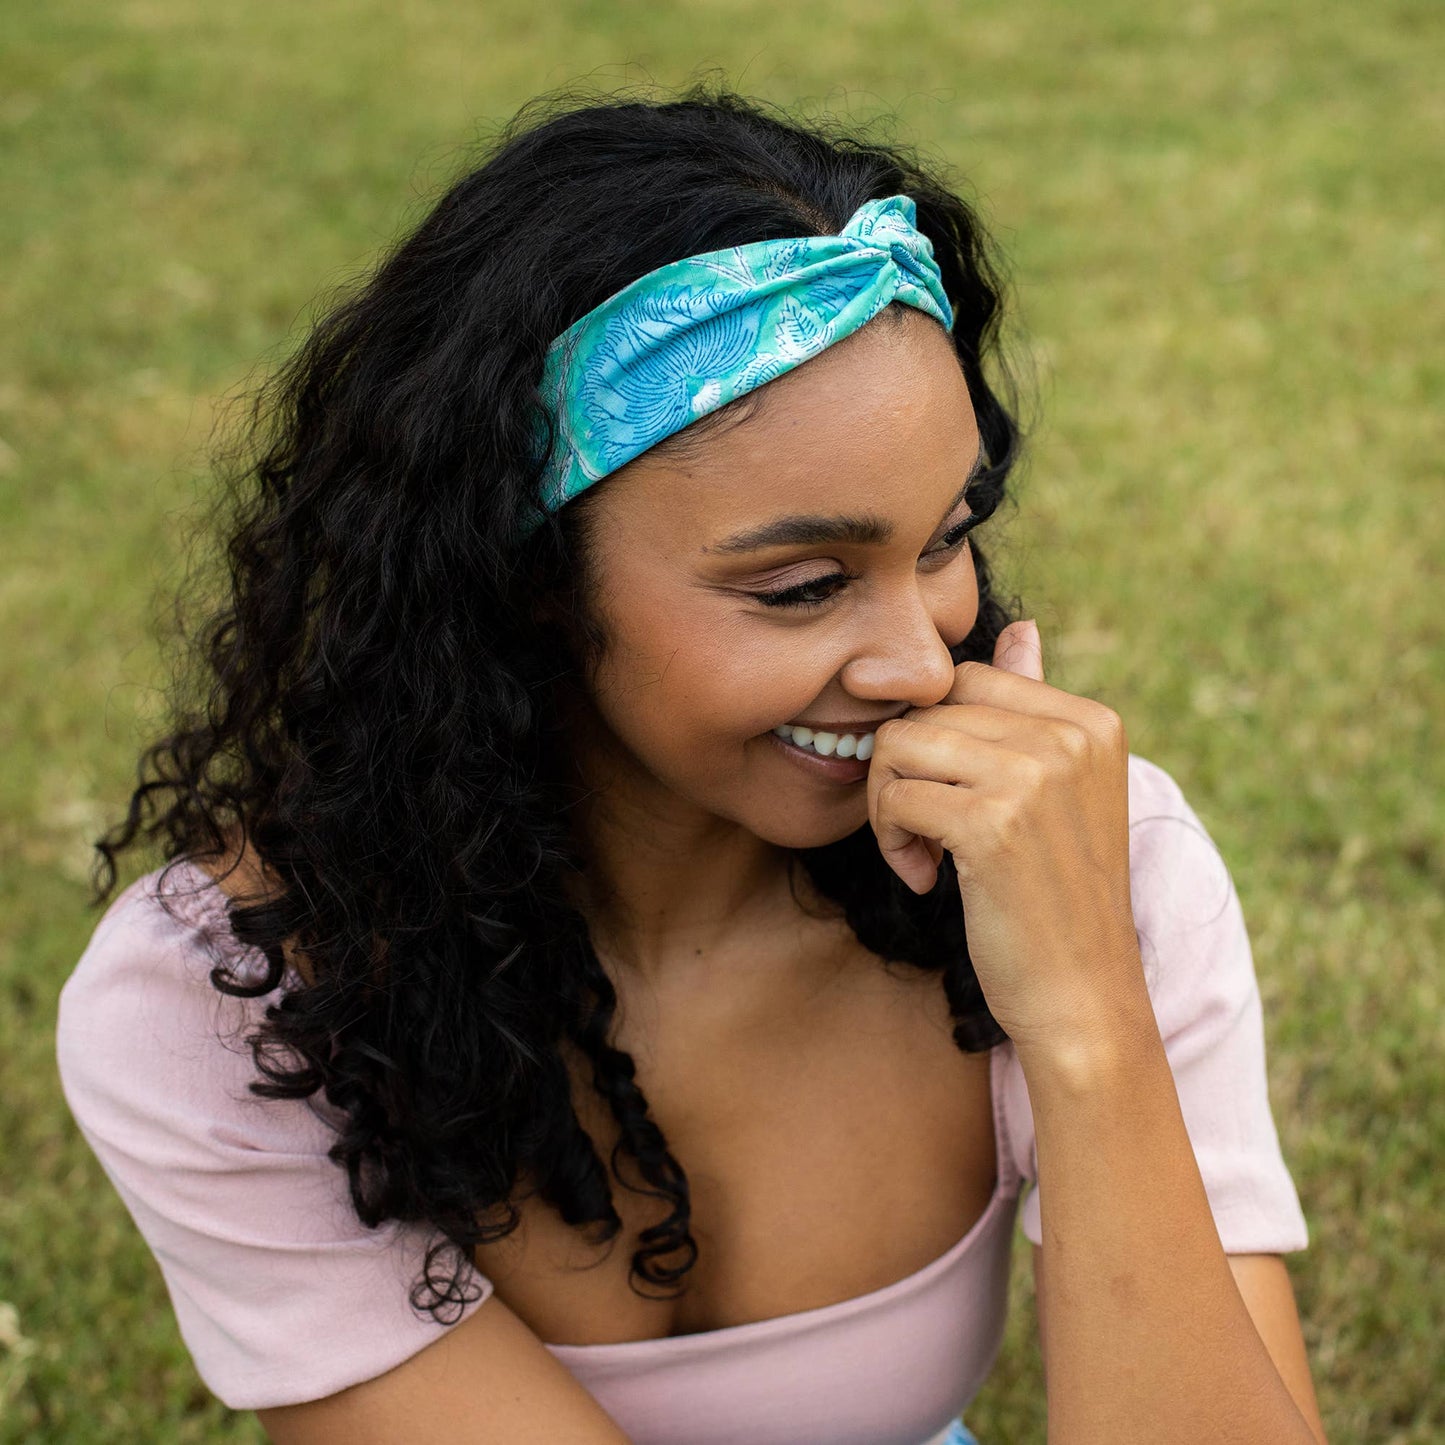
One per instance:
(796, 596)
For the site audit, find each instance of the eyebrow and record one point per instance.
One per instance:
(863, 529)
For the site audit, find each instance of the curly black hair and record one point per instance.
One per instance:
(370, 703)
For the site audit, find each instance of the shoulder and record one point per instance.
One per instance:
(1187, 913)
(1199, 970)
(247, 1215)
(152, 1056)
(1165, 832)
(146, 972)
(1151, 789)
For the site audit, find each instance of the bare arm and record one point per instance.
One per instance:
(1149, 1330)
(488, 1381)
(1265, 1287)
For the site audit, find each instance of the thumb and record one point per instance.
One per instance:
(1020, 649)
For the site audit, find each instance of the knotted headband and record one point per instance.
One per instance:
(693, 335)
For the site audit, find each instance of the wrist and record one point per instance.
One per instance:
(1101, 1046)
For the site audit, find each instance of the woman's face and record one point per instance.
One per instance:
(868, 445)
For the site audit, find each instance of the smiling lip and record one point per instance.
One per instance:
(846, 727)
(833, 769)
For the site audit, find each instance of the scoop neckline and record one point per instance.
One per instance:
(840, 1309)
(724, 1335)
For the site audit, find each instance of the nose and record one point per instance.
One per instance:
(904, 656)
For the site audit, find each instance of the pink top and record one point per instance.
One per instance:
(282, 1295)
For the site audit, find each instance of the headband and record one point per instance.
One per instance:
(693, 335)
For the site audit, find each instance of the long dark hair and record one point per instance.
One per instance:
(372, 701)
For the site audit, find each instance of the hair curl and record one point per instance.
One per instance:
(378, 722)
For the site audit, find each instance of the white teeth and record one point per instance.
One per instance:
(842, 745)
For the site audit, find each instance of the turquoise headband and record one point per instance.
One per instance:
(693, 335)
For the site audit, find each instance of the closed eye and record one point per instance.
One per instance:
(801, 595)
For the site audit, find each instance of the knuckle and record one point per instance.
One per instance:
(892, 791)
(889, 731)
(1108, 726)
(1004, 821)
(1074, 740)
(1032, 771)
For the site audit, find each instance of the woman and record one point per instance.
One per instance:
(624, 816)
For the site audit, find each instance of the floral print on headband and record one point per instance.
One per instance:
(693, 335)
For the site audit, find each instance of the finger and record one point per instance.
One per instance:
(969, 745)
(978, 682)
(955, 769)
(1019, 649)
(936, 755)
(923, 731)
(916, 821)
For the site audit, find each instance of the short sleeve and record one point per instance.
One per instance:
(1199, 969)
(280, 1292)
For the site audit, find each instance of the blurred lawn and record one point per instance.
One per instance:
(1224, 220)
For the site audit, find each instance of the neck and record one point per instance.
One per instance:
(668, 886)
(675, 896)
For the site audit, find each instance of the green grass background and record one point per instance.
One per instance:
(1224, 226)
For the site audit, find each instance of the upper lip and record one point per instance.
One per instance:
(866, 726)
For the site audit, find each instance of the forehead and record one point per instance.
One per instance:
(883, 417)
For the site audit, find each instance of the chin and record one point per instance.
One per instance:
(814, 833)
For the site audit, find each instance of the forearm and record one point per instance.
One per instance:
(1146, 1335)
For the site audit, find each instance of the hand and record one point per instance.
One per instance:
(1027, 787)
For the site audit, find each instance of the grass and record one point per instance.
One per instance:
(1227, 253)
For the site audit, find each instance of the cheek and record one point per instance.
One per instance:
(695, 684)
(678, 679)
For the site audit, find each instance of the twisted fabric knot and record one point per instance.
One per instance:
(696, 334)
